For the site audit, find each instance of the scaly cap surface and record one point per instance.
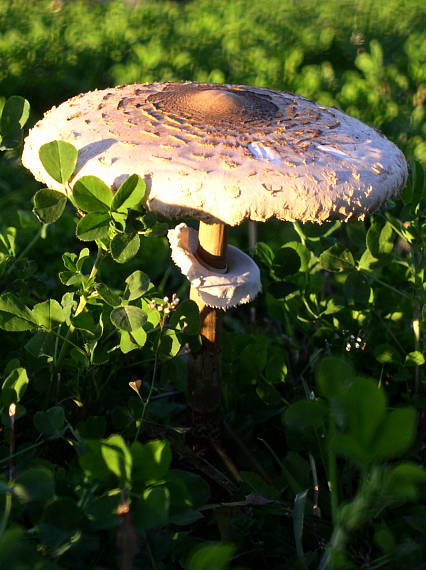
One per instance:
(225, 153)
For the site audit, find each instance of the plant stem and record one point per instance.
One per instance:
(332, 475)
(29, 448)
(205, 366)
(27, 248)
(6, 512)
(153, 377)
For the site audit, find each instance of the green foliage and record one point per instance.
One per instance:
(14, 115)
(59, 159)
(49, 205)
(211, 556)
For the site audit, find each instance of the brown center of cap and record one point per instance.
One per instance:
(213, 105)
(215, 102)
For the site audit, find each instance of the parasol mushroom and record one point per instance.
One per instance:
(221, 154)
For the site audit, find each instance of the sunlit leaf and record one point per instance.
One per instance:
(93, 226)
(151, 460)
(13, 388)
(14, 315)
(118, 458)
(336, 258)
(128, 318)
(137, 284)
(130, 194)
(59, 158)
(48, 314)
(91, 194)
(124, 247)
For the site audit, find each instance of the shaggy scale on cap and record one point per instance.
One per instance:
(225, 153)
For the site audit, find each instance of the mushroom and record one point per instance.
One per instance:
(222, 154)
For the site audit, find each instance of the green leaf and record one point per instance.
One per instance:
(7, 242)
(15, 112)
(49, 205)
(387, 354)
(186, 318)
(415, 358)
(336, 258)
(128, 318)
(367, 261)
(406, 482)
(196, 491)
(333, 376)
(125, 246)
(298, 522)
(290, 259)
(151, 460)
(14, 116)
(102, 513)
(91, 194)
(129, 195)
(379, 240)
(275, 369)
(93, 226)
(50, 423)
(15, 550)
(209, 556)
(63, 513)
(264, 254)
(153, 511)
(314, 232)
(395, 435)
(106, 294)
(286, 262)
(118, 458)
(350, 447)
(170, 344)
(137, 283)
(14, 315)
(305, 414)
(48, 314)
(183, 517)
(120, 220)
(89, 323)
(132, 340)
(59, 158)
(365, 408)
(35, 484)
(93, 463)
(357, 290)
(14, 386)
(41, 344)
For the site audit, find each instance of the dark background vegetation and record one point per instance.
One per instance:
(323, 380)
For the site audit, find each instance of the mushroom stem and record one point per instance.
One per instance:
(212, 245)
(204, 370)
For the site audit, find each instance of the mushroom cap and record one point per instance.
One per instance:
(239, 284)
(225, 153)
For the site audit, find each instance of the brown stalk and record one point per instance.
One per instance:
(205, 366)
